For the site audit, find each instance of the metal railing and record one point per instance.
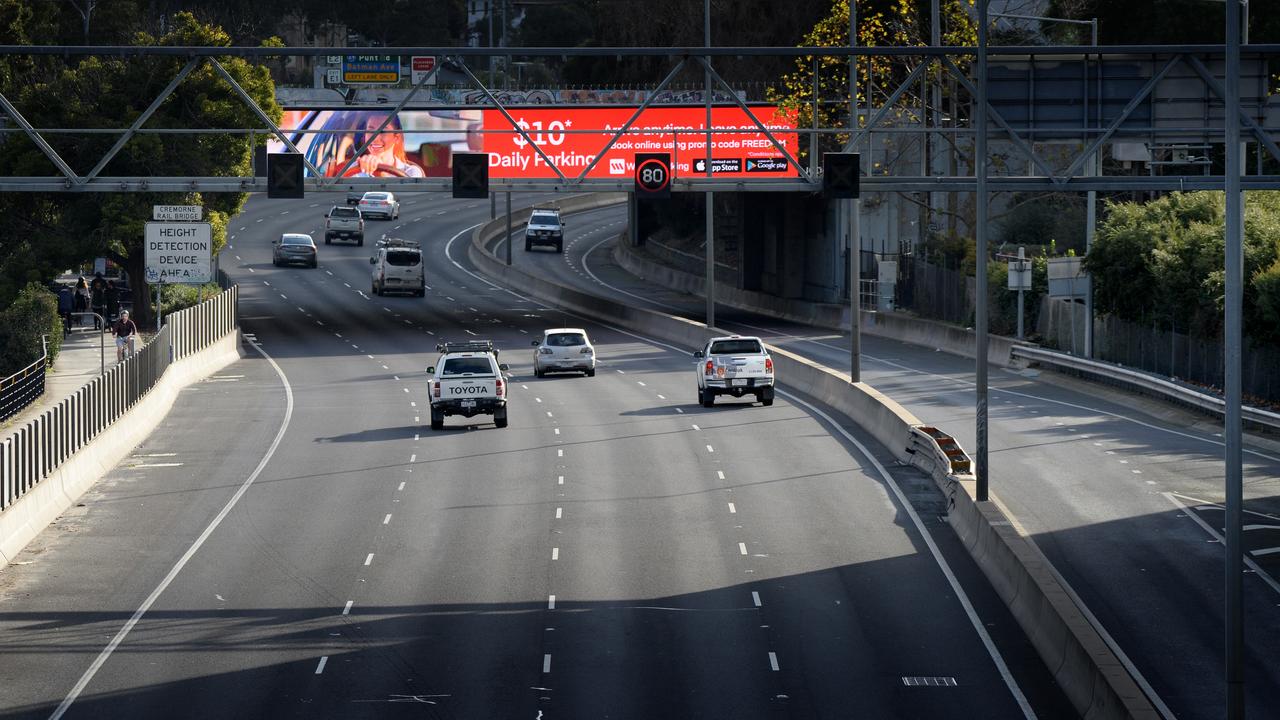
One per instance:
(38, 448)
(1146, 384)
(22, 388)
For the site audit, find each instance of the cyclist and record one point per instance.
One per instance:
(125, 332)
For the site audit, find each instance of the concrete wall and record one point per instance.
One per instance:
(40, 506)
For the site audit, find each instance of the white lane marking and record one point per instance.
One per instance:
(169, 454)
(346, 609)
(679, 410)
(695, 427)
(1266, 551)
(555, 553)
(641, 384)
(742, 548)
(559, 479)
(386, 520)
(732, 509)
(560, 453)
(124, 631)
(1220, 507)
(401, 487)
(557, 431)
(347, 284)
(526, 387)
(384, 367)
(413, 403)
(157, 465)
(546, 663)
(559, 512)
(710, 449)
(537, 399)
(405, 389)
(755, 598)
(413, 458)
(549, 413)
(250, 269)
(325, 658)
(371, 358)
(1173, 498)
(621, 372)
(469, 332)
(415, 437)
(773, 661)
(551, 602)
(720, 474)
(662, 397)
(369, 559)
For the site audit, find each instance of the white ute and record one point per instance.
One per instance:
(467, 380)
(736, 365)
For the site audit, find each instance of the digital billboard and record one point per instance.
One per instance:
(420, 143)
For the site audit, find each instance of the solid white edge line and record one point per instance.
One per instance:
(961, 595)
(186, 556)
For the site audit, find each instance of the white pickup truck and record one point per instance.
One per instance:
(468, 380)
(344, 223)
(736, 365)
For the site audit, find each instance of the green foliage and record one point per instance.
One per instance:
(52, 232)
(880, 22)
(1003, 302)
(1162, 261)
(181, 297)
(1040, 219)
(33, 314)
(1266, 286)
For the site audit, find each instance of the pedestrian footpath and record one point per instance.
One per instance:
(77, 363)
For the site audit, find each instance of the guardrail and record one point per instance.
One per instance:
(22, 388)
(38, 448)
(1145, 383)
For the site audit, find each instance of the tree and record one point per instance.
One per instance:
(1162, 22)
(56, 231)
(1162, 261)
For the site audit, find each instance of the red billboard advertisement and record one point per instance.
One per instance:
(561, 134)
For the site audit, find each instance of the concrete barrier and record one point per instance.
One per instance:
(891, 325)
(41, 505)
(1090, 674)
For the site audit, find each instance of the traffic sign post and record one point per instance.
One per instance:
(178, 252)
(470, 175)
(419, 67)
(284, 176)
(176, 213)
(653, 176)
(370, 69)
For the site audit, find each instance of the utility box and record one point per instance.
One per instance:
(1019, 274)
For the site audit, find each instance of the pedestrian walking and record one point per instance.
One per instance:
(66, 303)
(81, 303)
(98, 298)
(113, 299)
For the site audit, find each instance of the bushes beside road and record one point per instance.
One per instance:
(33, 313)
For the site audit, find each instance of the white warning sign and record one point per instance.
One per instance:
(179, 252)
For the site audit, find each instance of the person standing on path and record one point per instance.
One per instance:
(66, 301)
(98, 293)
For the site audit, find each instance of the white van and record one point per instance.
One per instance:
(397, 267)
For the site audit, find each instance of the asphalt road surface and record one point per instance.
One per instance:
(1122, 494)
(295, 542)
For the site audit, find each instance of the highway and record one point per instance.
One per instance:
(1121, 493)
(295, 542)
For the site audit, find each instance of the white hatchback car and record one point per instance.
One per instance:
(380, 204)
(564, 350)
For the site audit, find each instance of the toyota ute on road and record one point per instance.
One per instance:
(736, 365)
(468, 380)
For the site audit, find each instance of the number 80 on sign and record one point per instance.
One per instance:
(653, 175)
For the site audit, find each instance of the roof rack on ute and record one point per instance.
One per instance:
(467, 346)
(398, 242)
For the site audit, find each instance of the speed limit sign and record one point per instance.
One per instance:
(653, 175)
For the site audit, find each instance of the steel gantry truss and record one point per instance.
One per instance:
(1018, 140)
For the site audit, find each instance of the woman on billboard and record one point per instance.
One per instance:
(385, 156)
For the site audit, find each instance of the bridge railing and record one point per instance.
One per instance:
(39, 447)
(22, 388)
